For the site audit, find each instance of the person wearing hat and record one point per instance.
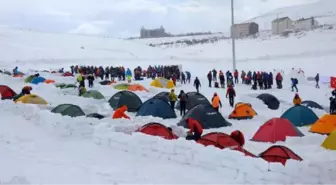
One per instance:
(172, 98)
(195, 131)
(216, 102)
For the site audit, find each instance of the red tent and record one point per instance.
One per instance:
(222, 140)
(6, 92)
(276, 129)
(279, 154)
(157, 129)
(67, 74)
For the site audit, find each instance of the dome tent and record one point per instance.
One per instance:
(6, 92)
(157, 129)
(128, 98)
(68, 110)
(163, 83)
(31, 99)
(163, 96)
(271, 101)
(37, 80)
(312, 104)
(300, 116)
(206, 115)
(93, 94)
(325, 125)
(156, 108)
(330, 141)
(243, 111)
(194, 98)
(95, 115)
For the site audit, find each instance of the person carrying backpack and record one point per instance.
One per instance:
(183, 102)
(216, 102)
(172, 99)
(231, 94)
(195, 131)
(294, 84)
(197, 84)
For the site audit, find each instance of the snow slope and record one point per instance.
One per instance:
(323, 10)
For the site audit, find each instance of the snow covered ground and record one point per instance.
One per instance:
(38, 146)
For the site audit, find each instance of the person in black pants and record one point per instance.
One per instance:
(183, 102)
(197, 84)
(231, 94)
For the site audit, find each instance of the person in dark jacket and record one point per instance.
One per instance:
(332, 109)
(317, 79)
(183, 102)
(294, 84)
(197, 84)
(90, 79)
(209, 78)
(231, 94)
(195, 131)
(25, 90)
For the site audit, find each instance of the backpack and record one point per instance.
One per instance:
(183, 97)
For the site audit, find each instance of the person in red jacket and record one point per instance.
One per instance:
(120, 113)
(231, 94)
(195, 131)
(235, 75)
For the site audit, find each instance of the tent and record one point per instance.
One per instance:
(93, 94)
(37, 80)
(221, 141)
(29, 78)
(163, 83)
(106, 82)
(194, 98)
(279, 154)
(163, 96)
(312, 104)
(325, 125)
(31, 99)
(49, 81)
(300, 116)
(6, 92)
(68, 110)
(128, 98)
(206, 115)
(122, 86)
(271, 101)
(276, 129)
(95, 115)
(65, 86)
(330, 141)
(136, 87)
(243, 111)
(156, 108)
(66, 74)
(157, 129)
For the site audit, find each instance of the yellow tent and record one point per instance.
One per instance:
(162, 83)
(325, 125)
(32, 99)
(330, 141)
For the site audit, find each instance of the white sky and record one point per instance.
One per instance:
(122, 18)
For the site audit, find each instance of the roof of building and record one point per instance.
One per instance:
(245, 23)
(304, 19)
(281, 19)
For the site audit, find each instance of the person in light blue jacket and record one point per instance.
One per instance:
(16, 70)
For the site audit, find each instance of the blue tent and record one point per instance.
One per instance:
(156, 108)
(300, 116)
(37, 80)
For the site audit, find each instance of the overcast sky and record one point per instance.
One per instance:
(123, 18)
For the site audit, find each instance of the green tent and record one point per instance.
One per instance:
(29, 79)
(93, 94)
(68, 110)
(121, 86)
(65, 86)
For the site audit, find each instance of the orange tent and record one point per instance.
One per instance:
(49, 81)
(136, 87)
(325, 125)
(18, 75)
(243, 111)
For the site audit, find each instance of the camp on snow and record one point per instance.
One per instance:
(325, 125)
(128, 98)
(330, 142)
(300, 116)
(194, 98)
(6, 92)
(93, 94)
(312, 104)
(243, 111)
(206, 115)
(157, 129)
(156, 108)
(31, 99)
(276, 129)
(279, 154)
(68, 110)
(271, 101)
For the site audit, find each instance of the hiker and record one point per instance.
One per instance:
(81, 90)
(235, 75)
(294, 84)
(120, 113)
(183, 102)
(209, 78)
(16, 70)
(183, 78)
(90, 79)
(80, 80)
(333, 93)
(297, 100)
(278, 80)
(172, 99)
(231, 94)
(216, 102)
(197, 84)
(317, 79)
(195, 131)
(332, 109)
(188, 76)
(214, 75)
(221, 79)
(25, 90)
